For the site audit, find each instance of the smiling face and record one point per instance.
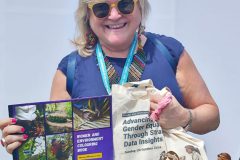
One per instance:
(117, 29)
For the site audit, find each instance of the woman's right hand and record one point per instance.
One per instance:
(12, 135)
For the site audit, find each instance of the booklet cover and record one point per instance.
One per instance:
(78, 129)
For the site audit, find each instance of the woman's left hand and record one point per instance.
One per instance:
(173, 115)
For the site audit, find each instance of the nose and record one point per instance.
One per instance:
(114, 14)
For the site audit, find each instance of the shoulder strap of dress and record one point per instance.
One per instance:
(160, 46)
(71, 71)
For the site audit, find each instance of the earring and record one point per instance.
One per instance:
(91, 39)
(140, 32)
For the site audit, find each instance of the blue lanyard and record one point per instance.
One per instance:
(103, 68)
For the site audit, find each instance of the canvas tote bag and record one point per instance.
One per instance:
(183, 146)
(136, 137)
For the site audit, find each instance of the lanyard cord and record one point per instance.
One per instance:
(103, 68)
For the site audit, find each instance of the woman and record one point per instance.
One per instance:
(194, 152)
(108, 32)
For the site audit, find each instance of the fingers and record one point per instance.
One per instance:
(10, 139)
(155, 98)
(9, 130)
(153, 106)
(169, 108)
(6, 122)
(11, 147)
(12, 129)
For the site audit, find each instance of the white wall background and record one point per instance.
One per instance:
(210, 30)
(35, 35)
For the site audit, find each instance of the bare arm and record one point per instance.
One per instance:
(197, 96)
(58, 90)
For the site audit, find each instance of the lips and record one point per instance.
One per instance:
(116, 26)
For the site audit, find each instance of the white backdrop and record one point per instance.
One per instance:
(35, 35)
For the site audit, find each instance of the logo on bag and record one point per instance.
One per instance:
(171, 155)
(193, 151)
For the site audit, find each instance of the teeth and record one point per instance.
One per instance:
(116, 26)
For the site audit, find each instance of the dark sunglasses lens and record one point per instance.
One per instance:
(101, 10)
(126, 6)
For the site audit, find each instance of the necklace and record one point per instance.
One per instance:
(133, 68)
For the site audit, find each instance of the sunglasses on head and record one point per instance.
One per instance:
(102, 9)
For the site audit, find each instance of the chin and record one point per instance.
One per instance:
(120, 39)
(119, 42)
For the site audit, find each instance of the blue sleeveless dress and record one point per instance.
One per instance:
(88, 81)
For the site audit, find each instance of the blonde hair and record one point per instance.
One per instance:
(82, 24)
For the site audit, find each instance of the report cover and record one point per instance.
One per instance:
(77, 129)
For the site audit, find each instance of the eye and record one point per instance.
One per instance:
(126, 6)
(101, 9)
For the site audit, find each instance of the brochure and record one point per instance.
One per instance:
(77, 129)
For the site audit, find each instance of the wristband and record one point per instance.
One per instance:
(189, 123)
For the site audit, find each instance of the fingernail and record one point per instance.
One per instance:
(14, 120)
(22, 129)
(25, 136)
